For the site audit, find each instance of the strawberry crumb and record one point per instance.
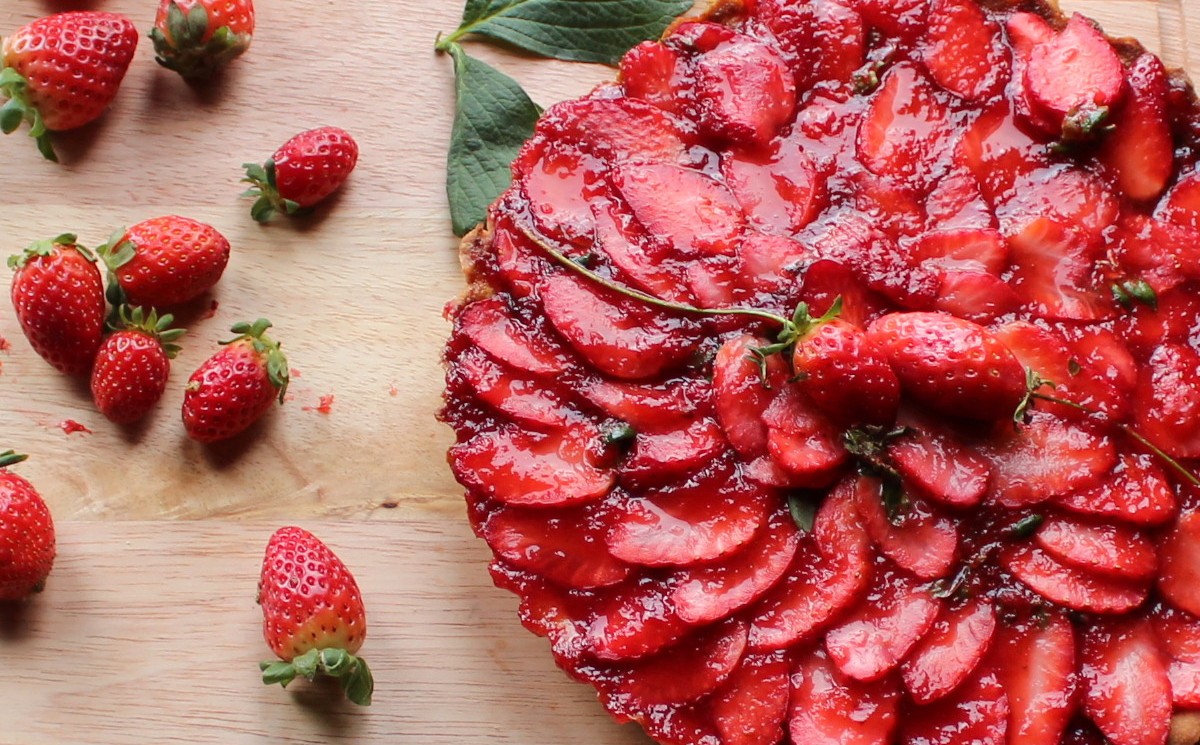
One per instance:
(70, 427)
(295, 373)
(4, 344)
(212, 310)
(393, 390)
(324, 405)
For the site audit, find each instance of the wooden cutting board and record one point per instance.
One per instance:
(148, 631)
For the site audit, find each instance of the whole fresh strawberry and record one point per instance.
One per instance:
(59, 300)
(235, 387)
(195, 38)
(843, 373)
(26, 534)
(62, 71)
(165, 261)
(950, 365)
(131, 369)
(313, 616)
(308, 168)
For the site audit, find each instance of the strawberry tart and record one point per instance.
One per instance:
(834, 377)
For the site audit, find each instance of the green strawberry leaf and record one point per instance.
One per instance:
(493, 118)
(574, 30)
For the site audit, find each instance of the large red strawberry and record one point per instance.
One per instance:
(313, 616)
(62, 71)
(303, 171)
(59, 300)
(165, 260)
(235, 387)
(195, 38)
(132, 365)
(27, 544)
(951, 365)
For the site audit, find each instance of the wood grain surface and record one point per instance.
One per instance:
(148, 631)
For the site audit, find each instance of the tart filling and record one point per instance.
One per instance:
(836, 374)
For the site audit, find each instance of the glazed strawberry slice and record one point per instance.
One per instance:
(962, 250)
(632, 620)
(940, 465)
(921, 540)
(648, 405)
(1176, 319)
(1136, 492)
(741, 396)
(648, 73)
(658, 456)
(1178, 634)
(977, 713)
(1181, 204)
(1065, 194)
(702, 219)
(547, 610)
(750, 707)
(824, 40)
(1045, 457)
(905, 133)
(618, 130)
(997, 152)
(1141, 149)
(824, 578)
(1112, 550)
(1075, 73)
(1179, 580)
(700, 520)
(618, 336)
(744, 91)
(566, 547)
(957, 203)
(524, 399)
(827, 708)
(802, 440)
(950, 365)
(557, 189)
(976, 296)
(1036, 664)
(1052, 267)
(1070, 586)
(951, 651)
(528, 469)
(491, 326)
(1167, 400)
(779, 188)
(826, 280)
(520, 264)
(772, 264)
(1126, 691)
(963, 52)
(678, 675)
(714, 591)
(680, 725)
(1161, 254)
(878, 634)
(642, 263)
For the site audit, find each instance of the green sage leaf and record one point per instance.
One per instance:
(574, 30)
(493, 118)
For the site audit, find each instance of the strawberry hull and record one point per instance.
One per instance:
(740, 538)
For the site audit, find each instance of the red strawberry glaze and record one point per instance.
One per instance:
(734, 554)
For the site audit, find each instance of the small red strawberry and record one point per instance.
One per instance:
(59, 300)
(235, 387)
(62, 71)
(165, 261)
(313, 616)
(953, 366)
(306, 169)
(26, 534)
(131, 369)
(195, 38)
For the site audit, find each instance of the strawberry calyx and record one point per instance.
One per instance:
(11, 457)
(19, 108)
(115, 253)
(268, 200)
(48, 247)
(152, 325)
(352, 671)
(267, 348)
(184, 49)
(868, 444)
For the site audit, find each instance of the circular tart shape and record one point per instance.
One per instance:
(966, 510)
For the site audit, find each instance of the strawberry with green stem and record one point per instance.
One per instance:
(132, 366)
(62, 71)
(27, 542)
(196, 38)
(313, 616)
(163, 261)
(303, 171)
(236, 386)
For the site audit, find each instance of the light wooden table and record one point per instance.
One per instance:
(148, 631)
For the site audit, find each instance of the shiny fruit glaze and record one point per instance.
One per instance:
(963, 511)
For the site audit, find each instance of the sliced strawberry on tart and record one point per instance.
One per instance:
(834, 377)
